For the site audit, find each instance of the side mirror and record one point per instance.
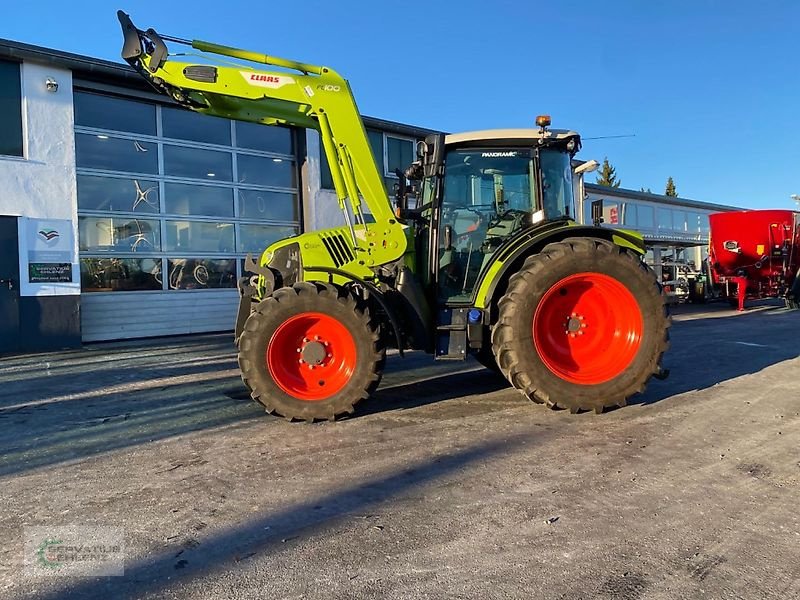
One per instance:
(401, 192)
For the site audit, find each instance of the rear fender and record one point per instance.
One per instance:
(495, 282)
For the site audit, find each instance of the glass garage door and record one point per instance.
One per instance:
(169, 203)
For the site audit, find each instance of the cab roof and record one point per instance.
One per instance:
(495, 136)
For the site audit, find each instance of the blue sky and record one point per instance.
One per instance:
(709, 88)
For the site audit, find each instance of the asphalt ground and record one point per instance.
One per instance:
(446, 484)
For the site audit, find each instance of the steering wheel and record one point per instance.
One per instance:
(500, 217)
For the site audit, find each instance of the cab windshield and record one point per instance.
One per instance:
(499, 181)
(489, 195)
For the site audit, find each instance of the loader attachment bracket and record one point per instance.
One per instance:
(132, 44)
(158, 55)
(137, 42)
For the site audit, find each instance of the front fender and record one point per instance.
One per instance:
(508, 260)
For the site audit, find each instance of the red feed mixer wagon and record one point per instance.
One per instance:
(755, 254)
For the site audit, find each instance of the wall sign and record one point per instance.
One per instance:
(50, 272)
(49, 241)
(48, 257)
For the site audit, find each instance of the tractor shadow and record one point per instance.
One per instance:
(432, 390)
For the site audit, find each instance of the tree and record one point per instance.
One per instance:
(646, 191)
(607, 175)
(671, 191)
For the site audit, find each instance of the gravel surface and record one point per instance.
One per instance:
(446, 484)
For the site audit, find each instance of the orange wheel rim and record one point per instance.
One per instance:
(588, 328)
(311, 356)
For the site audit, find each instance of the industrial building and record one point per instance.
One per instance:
(675, 229)
(124, 216)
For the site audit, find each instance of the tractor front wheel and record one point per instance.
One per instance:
(310, 352)
(583, 325)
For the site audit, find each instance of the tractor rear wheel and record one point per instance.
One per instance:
(583, 325)
(310, 352)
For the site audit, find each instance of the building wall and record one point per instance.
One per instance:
(41, 185)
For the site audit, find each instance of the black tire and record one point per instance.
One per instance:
(275, 310)
(513, 338)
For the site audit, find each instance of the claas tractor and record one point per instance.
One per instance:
(487, 260)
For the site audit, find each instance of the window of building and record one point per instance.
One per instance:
(664, 219)
(645, 216)
(186, 125)
(196, 163)
(390, 152)
(629, 217)
(266, 171)
(266, 139)
(172, 200)
(118, 233)
(325, 177)
(201, 200)
(201, 273)
(694, 222)
(117, 194)
(611, 213)
(115, 114)
(679, 221)
(399, 154)
(10, 109)
(376, 143)
(107, 153)
(704, 226)
(638, 216)
(264, 205)
(120, 274)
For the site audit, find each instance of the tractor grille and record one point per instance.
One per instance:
(338, 248)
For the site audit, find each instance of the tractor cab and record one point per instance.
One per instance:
(481, 190)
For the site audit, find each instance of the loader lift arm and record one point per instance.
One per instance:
(302, 95)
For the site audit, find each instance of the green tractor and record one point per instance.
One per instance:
(487, 260)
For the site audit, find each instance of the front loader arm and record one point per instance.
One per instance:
(312, 96)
